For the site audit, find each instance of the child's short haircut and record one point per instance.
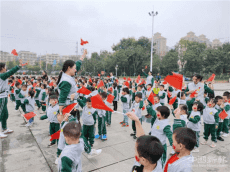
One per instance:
(44, 85)
(200, 106)
(150, 148)
(162, 86)
(125, 90)
(198, 77)
(180, 94)
(184, 107)
(31, 93)
(186, 137)
(72, 130)
(17, 84)
(164, 110)
(217, 98)
(10, 81)
(88, 99)
(114, 85)
(150, 85)
(157, 97)
(226, 93)
(140, 86)
(139, 95)
(211, 100)
(24, 85)
(103, 95)
(53, 96)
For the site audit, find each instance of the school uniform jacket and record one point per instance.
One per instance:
(136, 107)
(51, 114)
(30, 104)
(194, 121)
(219, 109)
(227, 109)
(182, 122)
(125, 101)
(22, 95)
(162, 96)
(211, 116)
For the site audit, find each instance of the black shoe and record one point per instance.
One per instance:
(220, 139)
(91, 145)
(51, 144)
(150, 133)
(134, 137)
(132, 134)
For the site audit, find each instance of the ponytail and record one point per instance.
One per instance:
(66, 65)
(59, 77)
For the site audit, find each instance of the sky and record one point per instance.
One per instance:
(56, 26)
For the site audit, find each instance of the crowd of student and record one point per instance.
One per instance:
(50, 95)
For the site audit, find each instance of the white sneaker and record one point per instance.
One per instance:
(221, 133)
(42, 112)
(56, 161)
(28, 124)
(94, 153)
(2, 136)
(195, 150)
(225, 135)
(204, 142)
(7, 131)
(213, 145)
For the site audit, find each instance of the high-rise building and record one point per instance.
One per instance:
(160, 47)
(70, 57)
(28, 57)
(5, 57)
(49, 58)
(216, 43)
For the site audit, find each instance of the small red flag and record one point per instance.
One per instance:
(223, 114)
(171, 101)
(30, 115)
(151, 97)
(211, 77)
(164, 83)
(129, 79)
(68, 108)
(117, 81)
(143, 108)
(139, 77)
(14, 52)
(55, 135)
(90, 80)
(84, 90)
(35, 84)
(98, 103)
(192, 95)
(12, 84)
(20, 81)
(110, 98)
(51, 84)
(175, 80)
(124, 78)
(108, 76)
(24, 73)
(110, 89)
(12, 91)
(146, 67)
(127, 83)
(101, 84)
(84, 42)
(99, 74)
(169, 94)
(24, 64)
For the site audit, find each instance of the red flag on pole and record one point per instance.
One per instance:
(151, 97)
(101, 84)
(171, 101)
(110, 98)
(55, 135)
(211, 77)
(20, 81)
(84, 90)
(68, 108)
(223, 114)
(127, 83)
(14, 52)
(98, 103)
(84, 42)
(175, 80)
(30, 115)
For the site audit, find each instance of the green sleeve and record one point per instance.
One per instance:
(186, 90)
(190, 104)
(115, 94)
(141, 104)
(168, 133)
(26, 101)
(145, 74)
(171, 89)
(195, 120)
(64, 91)
(6, 75)
(95, 116)
(78, 65)
(151, 112)
(206, 100)
(43, 96)
(163, 96)
(123, 99)
(66, 164)
(81, 103)
(216, 116)
(152, 81)
(43, 117)
(177, 124)
(208, 90)
(227, 108)
(37, 93)
(133, 96)
(17, 91)
(21, 96)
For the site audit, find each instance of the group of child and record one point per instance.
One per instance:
(151, 149)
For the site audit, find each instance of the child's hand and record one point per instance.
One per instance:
(66, 117)
(72, 96)
(216, 126)
(177, 115)
(146, 103)
(171, 107)
(133, 90)
(132, 116)
(222, 106)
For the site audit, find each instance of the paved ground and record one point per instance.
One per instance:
(26, 150)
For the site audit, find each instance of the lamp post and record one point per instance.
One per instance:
(151, 59)
(116, 69)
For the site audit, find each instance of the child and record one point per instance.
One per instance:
(194, 122)
(16, 93)
(101, 120)
(51, 114)
(136, 107)
(219, 106)
(181, 117)
(88, 119)
(38, 90)
(115, 94)
(226, 97)
(42, 98)
(22, 95)
(149, 90)
(211, 120)
(183, 143)
(148, 149)
(70, 158)
(125, 101)
(154, 107)
(11, 89)
(162, 95)
(29, 103)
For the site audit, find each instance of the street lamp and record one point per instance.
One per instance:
(116, 69)
(151, 60)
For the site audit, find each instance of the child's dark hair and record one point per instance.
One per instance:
(184, 107)
(88, 99)
(53, 96)
(31, 93)
(200, 106)
(217, 98)
(114, 85)
(157, 97)
(150, 85)
(186, 137)
(164, 110)
(162, 86)
(198, 77)
(44, 85)
(24, 85)
(72, 130)
(150, 148)
(180, 94)
(139, 95)
(17, 84)
(76, 113)
(10, 81)
(125, 90)
(226, 93)
(211, 100)
(103, 95)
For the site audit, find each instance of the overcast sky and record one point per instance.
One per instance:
(56, 26)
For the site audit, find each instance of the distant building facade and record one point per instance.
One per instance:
(160, 47)
(49, 58)
(28, 57)
(5, 57)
